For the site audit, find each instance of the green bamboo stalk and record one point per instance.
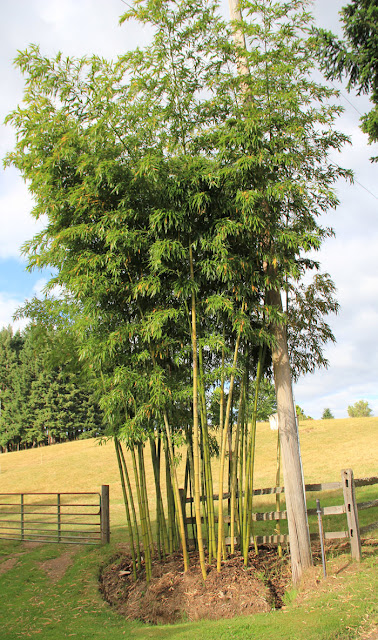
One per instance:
(176, 493)
(205, 515)
(143, 486)
(221, 540)
(160, 515)
(158, 518)
(164, 521)
(207, 460)
(191, 477)
(230, 460)
(142, 514)
(197, 485)
(247, 515)
(187, 474)
(240, 477)
(132, 504)
(170, 498)
(235, 464)
(127, 509)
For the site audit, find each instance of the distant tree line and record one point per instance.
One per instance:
(359, 409)
(46, 393)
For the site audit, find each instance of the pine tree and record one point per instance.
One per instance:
(10, 349)
(355, 56)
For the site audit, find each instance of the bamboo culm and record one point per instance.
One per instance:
(127, 509)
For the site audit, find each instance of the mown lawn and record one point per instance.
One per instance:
(34, 604)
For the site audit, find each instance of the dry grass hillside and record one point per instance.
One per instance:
(327, 447)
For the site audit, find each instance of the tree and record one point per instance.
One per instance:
(359, 409)
(327, 414)
(10, 349)
(307, 329)
(47, 395)
(301, 414)
(355, 56)
(267, 403)
(277, 84)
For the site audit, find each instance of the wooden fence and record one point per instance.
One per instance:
(69, 518)
(349, 507)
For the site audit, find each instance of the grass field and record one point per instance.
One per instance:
(328, 446)
(36, 603)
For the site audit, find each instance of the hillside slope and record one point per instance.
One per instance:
(327, 447)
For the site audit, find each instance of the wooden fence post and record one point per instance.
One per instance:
(105, 521)
(22, 516)
(59, 516)
(351, 513)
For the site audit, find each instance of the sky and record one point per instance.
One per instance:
(83, 27)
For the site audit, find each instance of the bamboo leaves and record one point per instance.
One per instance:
(173, 207)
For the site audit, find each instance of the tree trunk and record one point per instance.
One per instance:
(300, 549)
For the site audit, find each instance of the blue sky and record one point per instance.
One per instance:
(79, 27)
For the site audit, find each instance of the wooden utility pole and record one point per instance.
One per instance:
(300, 547)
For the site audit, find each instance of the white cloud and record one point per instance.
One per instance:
(39, 286)
(56, 12)
(8, 306)
(17, 225)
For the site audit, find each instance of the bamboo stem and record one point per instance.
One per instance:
(176, 493)
(197, 484)
(221, 538)
(235, 464)
(247, 514)
(132, 503)
(142, 476)
(127, 509)
(207, 460)
(161, 522)
(142, 514)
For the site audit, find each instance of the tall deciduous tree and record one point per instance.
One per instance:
(289, 187)
(359, 409)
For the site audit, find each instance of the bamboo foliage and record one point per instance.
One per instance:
(166, 194)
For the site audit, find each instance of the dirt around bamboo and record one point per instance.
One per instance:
(174, 595)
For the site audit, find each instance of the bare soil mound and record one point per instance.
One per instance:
(173, 595)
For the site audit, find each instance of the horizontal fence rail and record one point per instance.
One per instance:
(349, 507)
(64, 517)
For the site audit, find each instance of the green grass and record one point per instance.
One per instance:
(31, 605)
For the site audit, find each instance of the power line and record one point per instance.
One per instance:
(347, 99)
(366, 189)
